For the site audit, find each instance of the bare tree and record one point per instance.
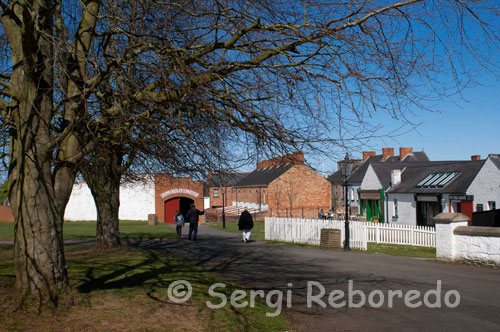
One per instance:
(281, 76)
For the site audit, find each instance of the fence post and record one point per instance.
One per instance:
(377, 233)
(412, 236)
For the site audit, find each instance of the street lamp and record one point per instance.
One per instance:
(223, 208)
(346, 172)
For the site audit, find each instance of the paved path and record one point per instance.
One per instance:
(258, 265)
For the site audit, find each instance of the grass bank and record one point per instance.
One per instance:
(125, 289)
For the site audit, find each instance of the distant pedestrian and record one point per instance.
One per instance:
(330, 215)
(192, 217)
(321, 214)
(179, 223)
(245, 224)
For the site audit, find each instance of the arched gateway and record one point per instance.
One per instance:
(177, 199)
(174, 204)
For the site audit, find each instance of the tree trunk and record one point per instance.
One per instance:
(35, 200)
(107, 201)
(103, 180)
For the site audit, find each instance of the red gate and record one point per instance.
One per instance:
(171, 206)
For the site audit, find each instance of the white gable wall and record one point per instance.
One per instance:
(486, 186)
(137, 200)
(370, 180)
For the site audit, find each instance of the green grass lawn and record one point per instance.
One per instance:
(125, 289)
(402, 250)
(85, 230)
(258, 233)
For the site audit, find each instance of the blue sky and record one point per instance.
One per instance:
(460, 127)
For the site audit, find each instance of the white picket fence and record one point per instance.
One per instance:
(424, 236)
(308, 231)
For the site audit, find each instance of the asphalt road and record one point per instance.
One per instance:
(259, 265)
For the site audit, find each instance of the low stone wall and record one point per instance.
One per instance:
(455, 241)
(478, 244)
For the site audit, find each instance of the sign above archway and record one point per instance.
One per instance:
(179, 191)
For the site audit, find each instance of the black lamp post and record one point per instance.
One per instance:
(223, 208)
(346, 172)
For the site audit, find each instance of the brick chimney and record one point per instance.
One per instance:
(475, 157)
(296, 158)
(403, 152)
(387, 152)
(368, 154)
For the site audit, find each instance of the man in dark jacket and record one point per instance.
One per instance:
(192, 217)
(245, 224)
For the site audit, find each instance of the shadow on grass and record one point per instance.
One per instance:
(144, 269)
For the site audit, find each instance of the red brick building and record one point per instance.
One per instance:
(220, 185)
(284, 186)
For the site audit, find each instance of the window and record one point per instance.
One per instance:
(216, 193)
(479, 207)
(492, 205)
(437, 180)
(395, 208)
(353, 196)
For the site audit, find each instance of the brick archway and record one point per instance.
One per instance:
(172, 204)
(185, 190)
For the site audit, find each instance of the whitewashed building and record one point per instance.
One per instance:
(448, 186)
(137, 200)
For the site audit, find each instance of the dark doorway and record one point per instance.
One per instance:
(174, 204)
(426, 211)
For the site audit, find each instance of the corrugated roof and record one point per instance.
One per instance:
(263, 176)
(412, 175)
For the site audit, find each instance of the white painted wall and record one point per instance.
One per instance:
(81, 205)
(371, 181)
(486, 185)
(407, 209)
(472, 247)
(485, 249)
(137, 200)
(263, 207)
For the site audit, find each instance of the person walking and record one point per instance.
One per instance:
(179, 223)
(245, 224)
(192, 217)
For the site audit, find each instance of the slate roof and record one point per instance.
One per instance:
(226, 179)
(358, 175)
(263, 176)
(496, 160)
(336, 177)
(412, 175)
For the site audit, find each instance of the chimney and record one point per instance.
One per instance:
(395, 177)
(298, 158)
(403, 152)
(475, 157)
(368, 154)
(387, 152)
